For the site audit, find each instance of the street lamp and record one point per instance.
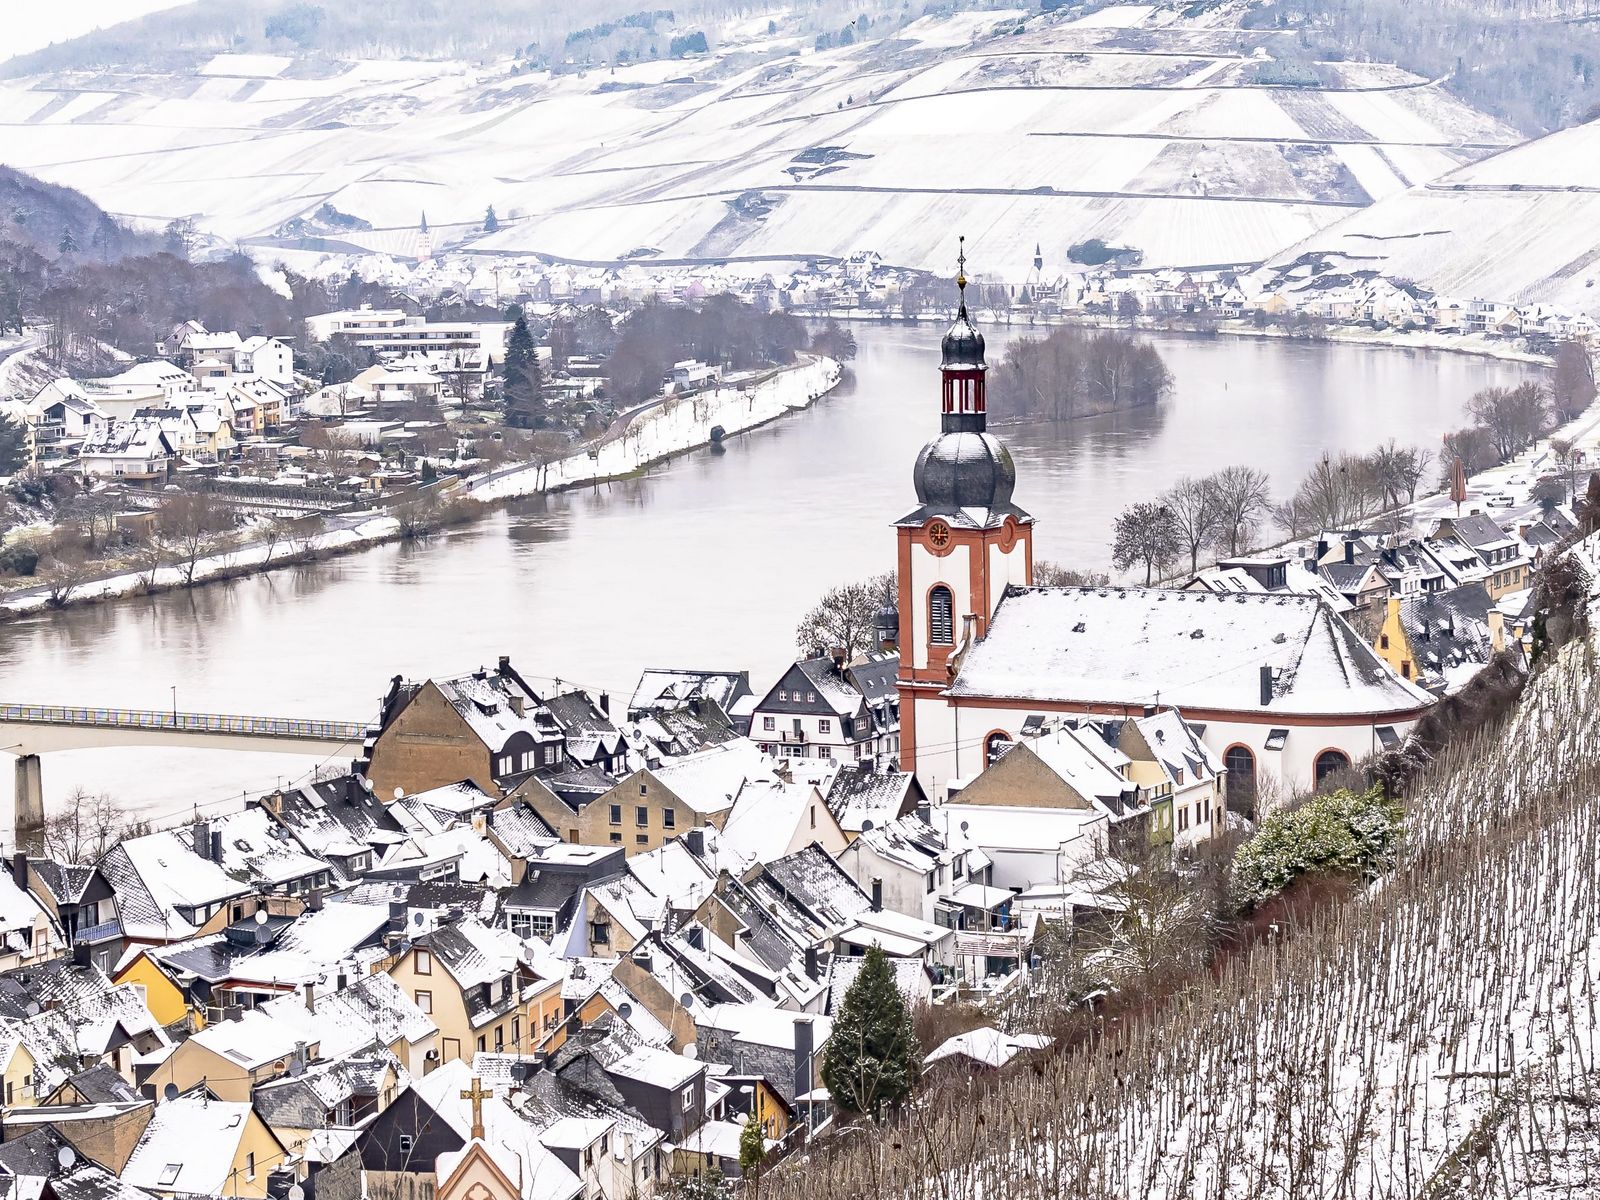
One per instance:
(174, 706)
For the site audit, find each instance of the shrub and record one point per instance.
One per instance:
(1345, 833)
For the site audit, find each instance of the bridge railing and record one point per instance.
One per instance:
(184, 722)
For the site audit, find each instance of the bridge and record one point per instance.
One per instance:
(29, 730)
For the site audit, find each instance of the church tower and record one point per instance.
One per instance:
(961, 546)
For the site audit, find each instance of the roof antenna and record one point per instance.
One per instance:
(961, 274)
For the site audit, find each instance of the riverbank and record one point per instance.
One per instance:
(1477, 345)
(652, 434)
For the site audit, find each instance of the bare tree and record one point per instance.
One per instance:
(1193, 505)
(844, 617)
(1513, 418)
(1572, 385)
(85, 827)
(1052, 574)
(189, 523)
(1335, 494)
(1243, 502)
(62, 574)
(1145, 533)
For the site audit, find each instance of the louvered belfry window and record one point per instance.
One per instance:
(941, 617)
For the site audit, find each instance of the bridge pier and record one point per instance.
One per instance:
(29, 815)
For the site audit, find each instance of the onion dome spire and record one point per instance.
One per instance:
(963, 345)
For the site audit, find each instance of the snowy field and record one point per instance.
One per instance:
(1500, 229)
(1133, 125)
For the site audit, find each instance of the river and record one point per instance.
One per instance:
(707, 561)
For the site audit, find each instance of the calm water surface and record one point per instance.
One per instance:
(707, 561)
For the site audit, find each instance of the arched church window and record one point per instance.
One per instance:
(994, 746)
(941, 617)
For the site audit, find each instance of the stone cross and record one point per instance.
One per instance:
(477, 1095)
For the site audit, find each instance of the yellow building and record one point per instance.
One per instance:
(481, 989)
(231, 1058)
(162, 996)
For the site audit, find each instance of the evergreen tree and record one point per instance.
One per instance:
(752, 1151)
(872, 1061)
(13, 445)
(490, 221)
(424, 227)
(522, 380)
(68, 244)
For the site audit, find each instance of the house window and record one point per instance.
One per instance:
(769, 724)
(499, 1038)
(424, 963)
(169, 1175)
(1405, 668)
(600, 932)
(483, 1044)
(616, 839)
(250, 1165)
(1183, 818)
(641, 839)
(425, 1001)
(541, 925)
(813, 816)
(811, 697)
(1330, 761)
(1383, 641)
(669, 819)
(824, 725)
(616, 814)
(941, 616)
(930, 884)
(782, 695)
(644, 789)
(688, 1099)
(406, 1142)
(641, 815)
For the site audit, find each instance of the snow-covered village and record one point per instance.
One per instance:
(853, 598)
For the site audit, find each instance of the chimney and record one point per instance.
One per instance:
(314, 900)
(925, 812)
(811, 962)
(605, 703)
(1266, 686)
(1349, 551)
(216, 846)
(695, 842)
(352, 789)
(838, 656)
(877, 895)
(1322, 549)
(516, 703)
(504, 665)
(311, 997)
(202, 839)
(695, 936)
(804, 1069)
(19, 869)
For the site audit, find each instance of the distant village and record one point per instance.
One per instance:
(536, 941)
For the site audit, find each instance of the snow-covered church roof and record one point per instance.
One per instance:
(1195, 650)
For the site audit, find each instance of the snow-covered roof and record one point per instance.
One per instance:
(189, 1146)
(765, 817)
(656, 1067)
(158, 880)
(1194, 649)
(988, 1046)
(708, 780)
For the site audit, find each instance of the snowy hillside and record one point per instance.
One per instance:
(1499, 229)
(1135, 125)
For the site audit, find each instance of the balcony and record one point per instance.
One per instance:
(102, 932)
(793, 737)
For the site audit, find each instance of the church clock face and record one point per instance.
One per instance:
(938, 535)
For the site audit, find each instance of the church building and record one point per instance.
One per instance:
(1280, 687)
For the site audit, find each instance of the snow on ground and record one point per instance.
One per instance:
(945, 122)
(1501, 229)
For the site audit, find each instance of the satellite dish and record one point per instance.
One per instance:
(687, 1000)
(624, 1010)
(867, 827)
(66, 1157)
(741, 1119)
(417, 918)
(691, 1051)
(33, 1008)
(964, 827)
(296, 1068)
(261, 916)
(170, 1092)
(297, 1193)
(399, 793)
